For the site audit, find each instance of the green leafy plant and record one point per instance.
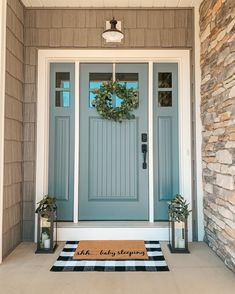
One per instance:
(103, 101)
(47, 204)
(178, 209)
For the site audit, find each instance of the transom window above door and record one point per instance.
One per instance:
(96, 79)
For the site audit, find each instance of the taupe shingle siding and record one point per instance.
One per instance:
(13, 145)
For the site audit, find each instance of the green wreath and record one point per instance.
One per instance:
(104, 97)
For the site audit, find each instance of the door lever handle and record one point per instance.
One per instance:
(144, 151)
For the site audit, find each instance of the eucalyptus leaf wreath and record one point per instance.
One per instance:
(103, 101)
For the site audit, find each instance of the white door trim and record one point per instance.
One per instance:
(76, 142)
(182, 57)
(3, 8)
(150, 142)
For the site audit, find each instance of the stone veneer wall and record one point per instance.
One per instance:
(13, 149)
(217, 24)
(82, 28)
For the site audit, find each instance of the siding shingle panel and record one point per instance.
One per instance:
(13, 136)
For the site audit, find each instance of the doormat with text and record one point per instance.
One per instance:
(110, 250)
(155, 262)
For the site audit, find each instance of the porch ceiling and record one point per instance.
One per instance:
(108, 3)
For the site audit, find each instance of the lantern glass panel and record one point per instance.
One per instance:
(170, 233)
(54, 231)
(179, 235)
(45, 231)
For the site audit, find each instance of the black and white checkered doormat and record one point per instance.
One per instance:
(155, 263)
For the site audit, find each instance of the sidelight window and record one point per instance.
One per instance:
(62, 90)
(165, 89)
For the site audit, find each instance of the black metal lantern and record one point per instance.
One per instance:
(178, 225)
(178, 236)
(47, 229)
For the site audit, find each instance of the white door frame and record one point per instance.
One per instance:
(3, 9)
(182, 57)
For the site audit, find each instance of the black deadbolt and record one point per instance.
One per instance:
(144, 137)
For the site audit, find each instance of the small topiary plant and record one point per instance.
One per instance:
(47, 204)
(178, 209)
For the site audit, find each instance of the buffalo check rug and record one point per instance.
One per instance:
(155, 262)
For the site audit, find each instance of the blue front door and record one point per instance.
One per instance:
(113, 185)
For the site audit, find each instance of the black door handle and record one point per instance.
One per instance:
(144, 151)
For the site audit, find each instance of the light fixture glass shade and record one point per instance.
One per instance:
(113, 34)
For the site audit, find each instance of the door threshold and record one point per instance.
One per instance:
(113, 224)
(112, 230)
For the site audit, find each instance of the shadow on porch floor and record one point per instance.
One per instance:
(200, 272)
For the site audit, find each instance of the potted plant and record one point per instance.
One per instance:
(179, 211)
(46, 211)
(47, 204)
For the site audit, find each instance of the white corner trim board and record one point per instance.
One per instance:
(182, 57)
(3, 8)
(198, 127)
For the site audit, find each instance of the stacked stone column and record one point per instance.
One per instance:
(217, 25)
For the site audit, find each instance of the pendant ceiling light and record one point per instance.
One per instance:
(113, 34)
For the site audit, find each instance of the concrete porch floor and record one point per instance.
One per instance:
(200, 272)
